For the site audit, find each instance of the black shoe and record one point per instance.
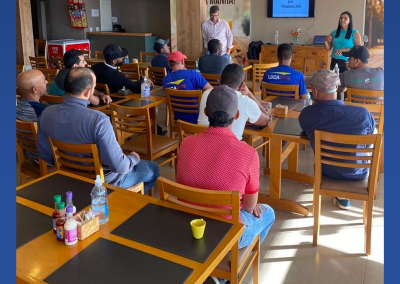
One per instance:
(160, 131)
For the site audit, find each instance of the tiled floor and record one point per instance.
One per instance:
(287, 254)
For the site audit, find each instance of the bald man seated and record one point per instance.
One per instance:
(31, 85)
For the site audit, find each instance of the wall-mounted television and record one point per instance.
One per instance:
(290, 8)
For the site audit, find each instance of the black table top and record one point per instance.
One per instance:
(169, 230)
(136, 103)
(110, 262)
(43, 191)
(288, 126)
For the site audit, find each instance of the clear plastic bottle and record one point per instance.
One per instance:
(99, 201)
(60, 221)
(70, 230)
(55, 215)
(307, 101)
(145, 89)
(68, 201)
(336, 69)
(277, 38)
(127, 59)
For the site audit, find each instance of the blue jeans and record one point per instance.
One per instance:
(254, 226)
(145, 171)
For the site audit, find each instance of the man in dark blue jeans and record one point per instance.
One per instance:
(330, 114)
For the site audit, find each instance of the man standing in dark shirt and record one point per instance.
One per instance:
(107, 73)
(161, 60)
(213, 63)
(330, 114)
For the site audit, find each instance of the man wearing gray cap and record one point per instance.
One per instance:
(330, 114)
(162, 49)
(217, 160)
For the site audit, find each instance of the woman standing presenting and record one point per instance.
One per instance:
(342, 39)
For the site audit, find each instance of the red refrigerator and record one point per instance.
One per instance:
(57, 48)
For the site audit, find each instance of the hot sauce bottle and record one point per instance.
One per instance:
(60, 221)
(57, 199)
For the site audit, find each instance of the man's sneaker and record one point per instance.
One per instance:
(342, 203)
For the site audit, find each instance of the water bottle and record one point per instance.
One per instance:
(307, 101)
(277, 38)
(145, 89)
(336, 69)
(127, 59)
(99, 201)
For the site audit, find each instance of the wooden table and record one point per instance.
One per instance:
(278, 155)
(40, 257)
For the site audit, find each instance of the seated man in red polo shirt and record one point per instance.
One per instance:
(217, 160)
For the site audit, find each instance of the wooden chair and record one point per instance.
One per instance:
(345, 156)
(157, 74)
(98, 54)
(27, 142)
(86, 53)
(146, 56)
(213, 79)
(91, 63)
(131, 71)
(258, 74)
(190, 64)
(20, 69)
(364, 96)
(58, 62)
(268, 89)
(41, 48)
(252, 62)
(181, 101)
(80, 159)
(38, 62)
(187, 129)
(103, 87)
(51, 99)
(135, 124)
(236, 263)
(50, 74)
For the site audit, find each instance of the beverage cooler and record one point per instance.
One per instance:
(57, 48)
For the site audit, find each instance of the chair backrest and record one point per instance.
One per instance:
(98, 54)
(131, 70)
(146, 56)
(364, 96)
(182, 101)
(345, 154)
(377, 112)
(86, 53)
(128, 121)
(190, 64)
(50, 74)
(20, 69)
(176, 193)
(58, 62)
(213, 79)
(79, 159)
(103, 87)
(41, 47)
(187, 129)
(91, 63)
(258, 73)
(157, 74)
(268, 89)
(27, 141)
(38, 62)
(51, 99)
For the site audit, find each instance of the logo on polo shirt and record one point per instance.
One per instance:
(177, 82)
(280, 76)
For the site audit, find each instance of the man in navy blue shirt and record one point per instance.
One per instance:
(330, 114)
(162, 49)
(284, 74)
(213, 63)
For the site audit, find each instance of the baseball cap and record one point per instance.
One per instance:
(358, 52)
(160, 44)
(324, 80)
(222, 98)
(176, 56)
(113, 51)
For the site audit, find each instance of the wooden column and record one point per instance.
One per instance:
(25, 45)
(190, 14)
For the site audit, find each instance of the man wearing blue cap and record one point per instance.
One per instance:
(162, 49)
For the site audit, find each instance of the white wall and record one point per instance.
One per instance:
(327, 14)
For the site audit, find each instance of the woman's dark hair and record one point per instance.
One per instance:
(220, 119)
(349, 28)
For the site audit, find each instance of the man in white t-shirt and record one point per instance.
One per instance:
(249, 108)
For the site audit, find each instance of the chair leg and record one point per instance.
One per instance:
(23, 178)
(256, 263)
(316, 212)
(304, 146)
(151, 192)
(368, 228)
(266, 149)
(381, 162)
(365, 212)
(166, 118)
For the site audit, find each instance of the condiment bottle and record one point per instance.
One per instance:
(60, 221)
(70, 230)
(68, 201)
(57, 199)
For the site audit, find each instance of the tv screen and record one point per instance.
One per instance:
(290, 8)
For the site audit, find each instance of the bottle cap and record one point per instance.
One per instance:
(68, 194)
(70, 209)
(61, 205)
(98, 181)
(57, 198)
